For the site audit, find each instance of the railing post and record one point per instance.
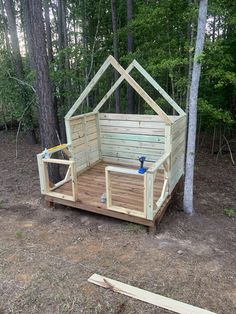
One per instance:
(148, 194)
(74, 181)
(41, 172)
(108, 190)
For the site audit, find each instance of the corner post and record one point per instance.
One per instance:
(74, 181)
(148, 196)
(42, 178)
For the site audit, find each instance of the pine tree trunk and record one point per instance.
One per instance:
(64, 62)
(130, 48)
(7, 43)
(9, 5)
(33, 16)
(48, 31)
(192, 123)
(116, 51)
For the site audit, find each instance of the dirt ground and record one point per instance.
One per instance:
(47, 254)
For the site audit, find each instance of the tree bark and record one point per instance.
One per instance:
(64, 60)
(33, 16)
(130, 48)
(48, 31)
(192, 123)
(115, 50)
(5, 27)
(9, 6)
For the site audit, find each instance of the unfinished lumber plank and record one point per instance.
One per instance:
(140, 91)
(146, 296)
(131, 117)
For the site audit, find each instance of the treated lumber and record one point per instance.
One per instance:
(123, 170)
(131, 117)
(146, 296)
(112, 89)
(140, 91)
(87, 90)
(158, 88)
(158, 163)
(58, 161)
(134, 137)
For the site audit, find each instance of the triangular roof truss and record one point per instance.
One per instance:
(124, 75)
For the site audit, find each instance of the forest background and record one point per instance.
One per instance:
(160, 35)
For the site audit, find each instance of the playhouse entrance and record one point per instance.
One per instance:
(127, 191)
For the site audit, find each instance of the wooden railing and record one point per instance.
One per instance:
(108, 171)
(71, 175)
(149, 185)
(149, 177)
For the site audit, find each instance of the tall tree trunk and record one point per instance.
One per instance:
(34, 25)
(64, 62)
(5, 27)
(116, 51)
(191, 28)
(51, 58)
(9, 5)
(192, 123)
(130, 48)
(48, 31)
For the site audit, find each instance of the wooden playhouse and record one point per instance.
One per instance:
(104, 148)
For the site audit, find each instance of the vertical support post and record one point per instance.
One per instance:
(41, 173)
(168, 145)
(86, 142)
(68, 131)
(98, 135)
(148, 199)
(74, 181)
(108, 189)
(46, 177)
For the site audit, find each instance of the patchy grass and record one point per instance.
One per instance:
(20, 234)
(230, 212)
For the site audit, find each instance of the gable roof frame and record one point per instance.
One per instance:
(125, 75)
(150, 79)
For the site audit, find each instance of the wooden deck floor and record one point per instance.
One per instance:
(127, 190)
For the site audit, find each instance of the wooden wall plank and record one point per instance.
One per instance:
(134, 137)
(130, 117)
(137, 134)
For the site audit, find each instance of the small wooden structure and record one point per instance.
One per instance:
(104, 150)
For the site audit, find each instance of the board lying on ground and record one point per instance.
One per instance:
(104, 148)
(146, 296)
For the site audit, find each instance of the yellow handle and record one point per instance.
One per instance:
(61, 146)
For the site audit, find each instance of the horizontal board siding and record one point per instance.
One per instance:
(126, 130)
(126, 137)
(130, 155)
(80, 126)
(134, 137)
(85, 144)
(125, 161)
(178, 139)
(105, 141)
(130, 117)
(127, 149)
(133, 124)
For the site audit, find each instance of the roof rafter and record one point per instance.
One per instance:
(126, 76)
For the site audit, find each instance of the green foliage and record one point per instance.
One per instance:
(213, 116)
(15, 96)
(230, 212)
(164, 40)
(20, 234)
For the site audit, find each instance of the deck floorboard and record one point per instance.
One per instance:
(127, 190)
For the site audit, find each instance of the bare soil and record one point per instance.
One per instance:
(47, 254)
